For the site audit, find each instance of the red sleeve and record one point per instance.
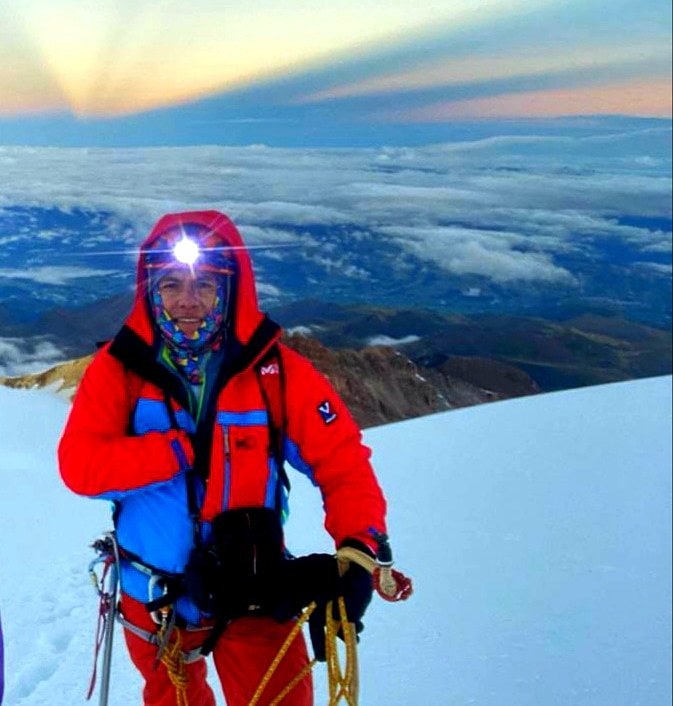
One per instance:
(96, 455)
(325, 443)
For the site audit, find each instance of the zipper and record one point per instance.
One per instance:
(227, 448)
(227, 468)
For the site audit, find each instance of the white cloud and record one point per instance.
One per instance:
(297, 214)
(656, 267)
(268, 290)
(338, 265)
(610, 194)
(544, 194)
(564, 231)
(663, 245)
(256, 235)
(20, 356)
(59, 276)
(306, 331)
(275, 243)
(505, 266)
(383, 340)
(463, 251)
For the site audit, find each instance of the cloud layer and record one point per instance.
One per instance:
(21, 356)
(58, 276)
(509, 210)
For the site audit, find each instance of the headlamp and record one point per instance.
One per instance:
(190, 246)
(186, 251)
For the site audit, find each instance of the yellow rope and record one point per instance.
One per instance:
(343, 684)
(303, 673)
(173, 660)
(296, 629)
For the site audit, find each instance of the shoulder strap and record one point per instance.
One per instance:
(271, 378)
(134, 384)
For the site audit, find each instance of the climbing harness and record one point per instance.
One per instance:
(169, 653)
(104, 573)
(343, 676)
(160, 641)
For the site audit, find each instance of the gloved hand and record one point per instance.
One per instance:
(300, 581)
(356, 587)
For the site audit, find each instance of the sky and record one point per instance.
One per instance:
(541, 560)
(285, 72)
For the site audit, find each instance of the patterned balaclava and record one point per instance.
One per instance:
(188, 353)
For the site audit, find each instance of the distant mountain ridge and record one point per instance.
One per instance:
(505, 355)
(379, 384)
(586, 350)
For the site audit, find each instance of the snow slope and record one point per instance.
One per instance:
(537, 531)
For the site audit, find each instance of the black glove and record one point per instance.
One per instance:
(302, 580)
(356, 587)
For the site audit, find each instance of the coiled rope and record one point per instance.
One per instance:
(343, 681)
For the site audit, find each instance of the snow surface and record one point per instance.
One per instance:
(537, 531)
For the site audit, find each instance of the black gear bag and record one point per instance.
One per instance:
(245, 570)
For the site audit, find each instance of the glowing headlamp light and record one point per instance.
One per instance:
(186, 251)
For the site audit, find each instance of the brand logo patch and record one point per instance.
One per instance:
(272, 369)
(326, 412)
(246, 442)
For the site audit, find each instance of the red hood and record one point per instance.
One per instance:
(246, 315)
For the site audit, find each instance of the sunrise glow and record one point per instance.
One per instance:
(114, 57)
(635, 98)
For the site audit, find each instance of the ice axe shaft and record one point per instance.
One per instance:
(107, 645)
(106, 586)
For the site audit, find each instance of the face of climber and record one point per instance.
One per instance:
(188, 297)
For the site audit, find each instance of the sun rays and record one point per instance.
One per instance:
(170, 70)
(112, 57)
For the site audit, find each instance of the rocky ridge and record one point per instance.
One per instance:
(379, 384)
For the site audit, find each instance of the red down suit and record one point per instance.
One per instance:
(120, 442)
